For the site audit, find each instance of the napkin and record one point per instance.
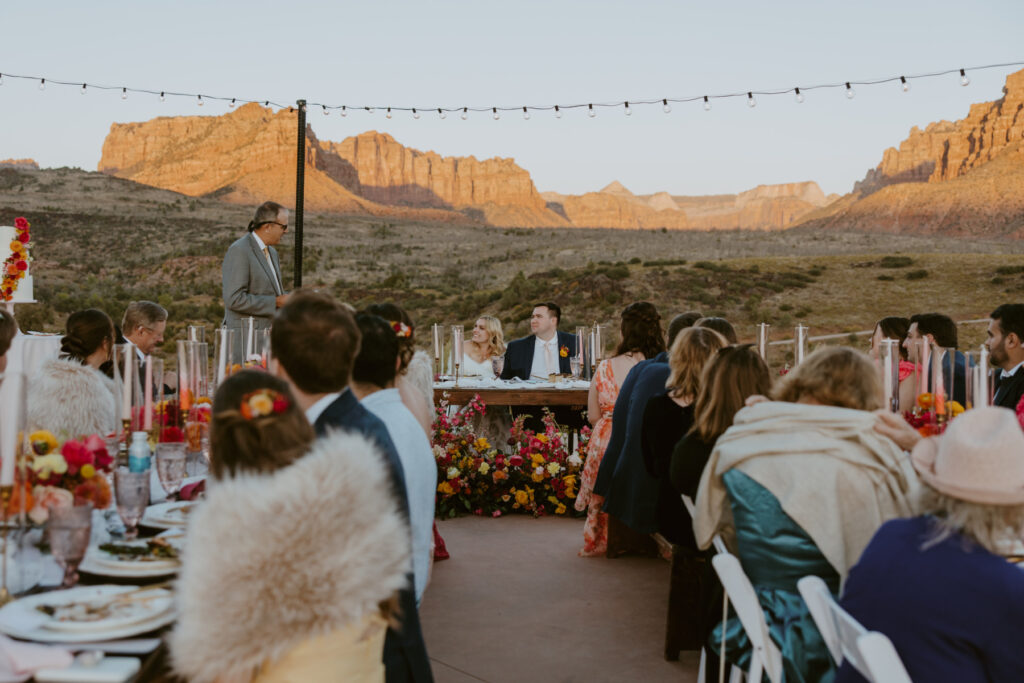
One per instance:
(192, 491)
(19, 661)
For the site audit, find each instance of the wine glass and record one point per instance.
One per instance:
(69, 529)
(497, 365)
(131, 489)
(576, 365)
(171, 465)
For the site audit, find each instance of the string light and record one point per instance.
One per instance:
(162, 98)
(494, 110)
(666, 107)
(232, 103)
(326, 113)
(344, 112)
(1, 79)
(465, 113)
(124, 93)
(526, 114)
(199, 100)
(369, 110)
(42, 84)
(707, 103)
(905, 85)
(388, 114)
(82, 91)
(799, 96)
(849, 91)
(558, 112)
(629, 112)
(590, 111)
(963, 78)
(751, 102)
(441, 114)
(415, 114)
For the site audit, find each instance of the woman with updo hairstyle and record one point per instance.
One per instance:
(312, 523)
(69, 395)
(798, 486)
(642, 338)
(415, 378)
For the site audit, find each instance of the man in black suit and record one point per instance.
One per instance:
(545, 352)
(315, 341)
(1006, 351)
(938, 330)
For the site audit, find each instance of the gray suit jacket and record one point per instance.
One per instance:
(248, 283)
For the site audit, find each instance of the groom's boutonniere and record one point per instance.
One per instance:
(564, 352)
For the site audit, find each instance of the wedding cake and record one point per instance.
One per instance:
(16, 285)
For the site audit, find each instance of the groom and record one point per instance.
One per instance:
(545, 352)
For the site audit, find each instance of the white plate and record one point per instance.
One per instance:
(103, 558)
(21, 619)
(126, 571)
(164, 516)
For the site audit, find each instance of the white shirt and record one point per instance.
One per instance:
(541, 349)
(1010, 373)
(314, 411)
(270, 262)
(420, 475)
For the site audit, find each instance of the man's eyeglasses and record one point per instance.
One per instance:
(284, 226)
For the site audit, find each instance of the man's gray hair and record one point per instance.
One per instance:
(142, 313)
(267, 212)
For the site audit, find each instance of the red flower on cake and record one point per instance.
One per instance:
(20, 223)
(23, 237)
(21, 265)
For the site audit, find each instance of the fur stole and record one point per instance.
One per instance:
(71, 399)
(272, 560)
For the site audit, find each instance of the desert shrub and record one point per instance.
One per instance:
(661, 262)
(635, 260)
(785, 307)
(895, 261)
(919, 274)
(714, 267)
(998, 280)
(886, 278)
(1009, 270)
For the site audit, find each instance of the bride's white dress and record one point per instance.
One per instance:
(470, 368)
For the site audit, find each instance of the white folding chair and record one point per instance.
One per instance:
(766, 656)
(692, 509)
(871, 653)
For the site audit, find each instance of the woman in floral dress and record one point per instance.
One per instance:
(642, 337)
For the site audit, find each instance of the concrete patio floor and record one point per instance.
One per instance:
(514, 603)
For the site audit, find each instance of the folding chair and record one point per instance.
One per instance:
(871, 653)
(766, 656)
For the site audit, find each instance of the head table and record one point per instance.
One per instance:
(498, 392)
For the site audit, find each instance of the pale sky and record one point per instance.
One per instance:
(480, 53)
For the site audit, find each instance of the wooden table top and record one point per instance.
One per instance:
(515, 396)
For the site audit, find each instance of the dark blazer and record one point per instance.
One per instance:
(1009, 391)
(405, 653)
(519, 356)
(959, 366)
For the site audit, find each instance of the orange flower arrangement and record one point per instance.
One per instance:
(16, 265)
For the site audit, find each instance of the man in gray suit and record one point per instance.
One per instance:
(251, 274)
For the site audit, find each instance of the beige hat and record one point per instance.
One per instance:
(979, 459)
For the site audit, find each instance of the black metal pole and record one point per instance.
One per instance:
(300, 191)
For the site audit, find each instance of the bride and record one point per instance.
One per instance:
(486, 342)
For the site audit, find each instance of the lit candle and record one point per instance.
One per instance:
(983, 398)
(801, 343)
(147, 416)
(762, 340)
(438, 335)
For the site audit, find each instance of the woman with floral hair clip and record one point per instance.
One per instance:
(415, 379)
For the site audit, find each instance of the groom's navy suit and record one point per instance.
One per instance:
(519, 356)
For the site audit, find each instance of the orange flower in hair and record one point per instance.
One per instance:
(401, 329)
(262, 403)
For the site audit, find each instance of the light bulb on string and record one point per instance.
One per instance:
(558, 112)
(1, 79)
(905, 84)
(326, 113)
(707, 103)
(799, 96)
(849, 91)
(526, 114)
(369, 110)
(494, 111)
(388, 114)
(666, 107)
(42, 84)
(629, 112)
(441, 114)
(199, 101)
(82, 91)
(465, 113)
(124, 93)
(590, 111)
(751, 102)
(963, 78)
(344, 112)
(415, 114)
(232, 103)
(162, 98)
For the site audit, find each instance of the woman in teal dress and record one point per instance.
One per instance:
(797, 487)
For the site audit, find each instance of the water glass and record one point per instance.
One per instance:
(171, 464)
(131, 489)
(497, 365)
(576, 365)
(69, 529)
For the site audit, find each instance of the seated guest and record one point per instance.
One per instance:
(318, 375)
(8, 328)
(373, 382)
(486, 342)
(939, 586)
(268, 591)
(896, 328)
(415, 378)
(804, 482)
(668, 417)
(545, 351)
(641, 338)
(1006, 352)
(719, 325)
(143, 325)
(627, 419)
(68, 395)
(938, 330)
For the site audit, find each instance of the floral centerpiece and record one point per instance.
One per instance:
(68, 474)
(932, 413)
(15, 266)
(538, 475)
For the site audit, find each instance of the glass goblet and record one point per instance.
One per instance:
(576, 365)
(131, 489)
(171, 465)
(69, 529)
(497, 365)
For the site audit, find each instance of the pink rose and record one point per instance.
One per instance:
(46, 498)
(496, 513)
(98, 447)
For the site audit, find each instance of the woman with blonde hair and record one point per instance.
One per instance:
(269, 592)
(798, 486)
(487, 342)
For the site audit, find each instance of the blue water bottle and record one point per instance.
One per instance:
(138, 454)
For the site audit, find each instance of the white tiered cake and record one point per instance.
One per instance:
(23, 286)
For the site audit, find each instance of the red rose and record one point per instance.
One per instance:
(21, 264)
(76, 455)
(515, 460)
(95, 445)
(23, 237)
(172, 435)
(20, 223)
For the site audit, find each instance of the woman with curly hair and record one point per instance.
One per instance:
(269, 592)
(487, 341)
(642, 337)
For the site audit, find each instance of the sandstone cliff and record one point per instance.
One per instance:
(20, 163)
(963, 177)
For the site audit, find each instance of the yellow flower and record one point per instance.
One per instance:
(484, 468)
(445, 488)
(537, 458)
(261, 404)
(88, 471)
(453, 472)
(560, 510)
(43, 442)
(482, 444)
(552, 500)
(553, 468)
(955, 408)
(45, 465)
(543, 438)
(522, 497)
(537, 478)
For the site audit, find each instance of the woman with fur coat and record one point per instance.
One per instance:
(291, 562)
(69, 395)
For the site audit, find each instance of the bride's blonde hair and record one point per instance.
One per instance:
(495, 336)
